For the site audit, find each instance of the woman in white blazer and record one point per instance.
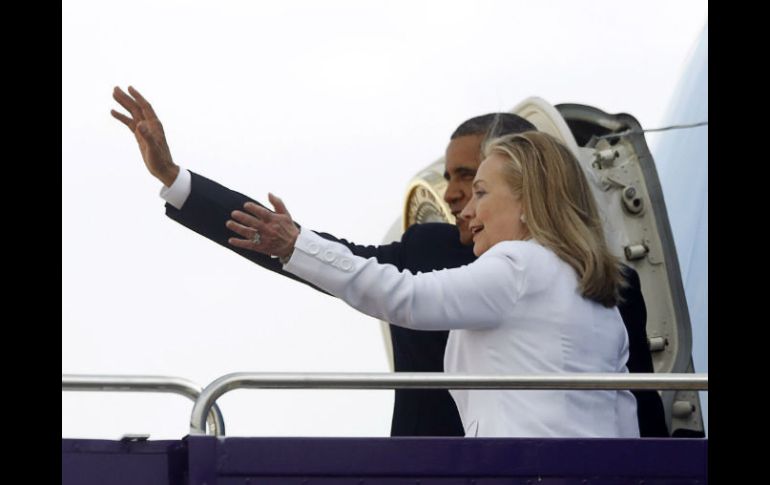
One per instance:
(541, 297)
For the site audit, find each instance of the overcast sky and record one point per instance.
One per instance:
(334, 106)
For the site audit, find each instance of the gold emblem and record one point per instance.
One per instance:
(425, 200)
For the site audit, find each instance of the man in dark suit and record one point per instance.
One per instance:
(204, 205)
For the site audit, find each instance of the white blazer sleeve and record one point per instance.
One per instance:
(475, 296)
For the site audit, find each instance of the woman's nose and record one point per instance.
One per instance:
(469, 211)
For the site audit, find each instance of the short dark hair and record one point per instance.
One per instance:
(493, 125)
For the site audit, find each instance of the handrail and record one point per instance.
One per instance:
(135, 383)
(434, 380)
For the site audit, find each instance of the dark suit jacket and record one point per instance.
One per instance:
(423, 247)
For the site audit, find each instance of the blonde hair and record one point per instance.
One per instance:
(560, 209)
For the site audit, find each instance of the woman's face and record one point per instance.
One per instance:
(494, 212)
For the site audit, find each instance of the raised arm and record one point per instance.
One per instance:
(204, 205)
(472, 297)
(476, 296)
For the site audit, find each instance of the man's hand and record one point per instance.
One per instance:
(147, 129)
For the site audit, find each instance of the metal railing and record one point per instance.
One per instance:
(430, 380)
(132, 383)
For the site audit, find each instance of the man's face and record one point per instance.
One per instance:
(463, 156)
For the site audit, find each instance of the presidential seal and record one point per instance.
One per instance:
(425, 199)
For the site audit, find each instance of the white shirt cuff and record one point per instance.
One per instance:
(179, 191)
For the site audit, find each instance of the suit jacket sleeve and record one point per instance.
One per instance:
(209, 206)
(472, 297)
